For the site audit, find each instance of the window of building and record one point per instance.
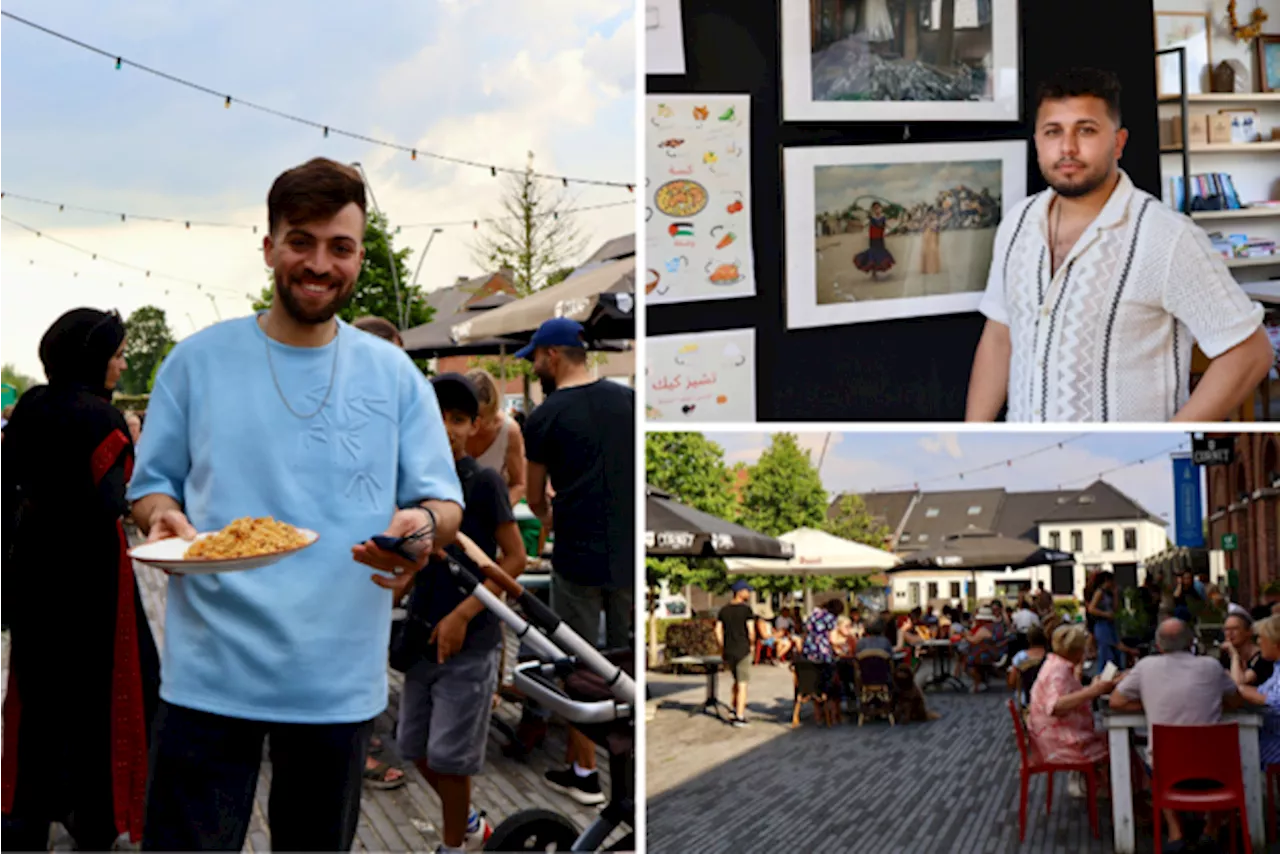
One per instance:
(923, 538)
(1077, 541)
(933, 590)
(1108, 540)
(955, 590)
(1055, 540)
(975, 510)
(931, 513)
(906, 538)
(1130, 539)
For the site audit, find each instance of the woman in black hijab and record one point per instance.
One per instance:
(83, 672)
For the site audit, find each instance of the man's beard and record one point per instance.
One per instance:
(548, 384)
(1088, 183)
(315, 317)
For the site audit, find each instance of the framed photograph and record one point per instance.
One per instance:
(1268, 48)
(880, 232)
(1188, 30)
(900, 60)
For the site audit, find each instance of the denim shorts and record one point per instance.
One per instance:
(444, 712)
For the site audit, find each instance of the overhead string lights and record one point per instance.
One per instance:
(188, 223)
(1158, 455)
(324, 128)
(94, 256)
(1006, 462)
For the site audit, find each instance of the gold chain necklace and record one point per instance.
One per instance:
(333, 373)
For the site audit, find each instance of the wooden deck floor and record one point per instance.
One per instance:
(405, 819)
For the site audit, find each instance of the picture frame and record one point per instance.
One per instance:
(1192, 30)
(1267, 50)
(925, 251)
(828, 56)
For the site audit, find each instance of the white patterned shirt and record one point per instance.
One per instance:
(1108, 338)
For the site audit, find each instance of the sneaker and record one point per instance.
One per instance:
(475, 841)
(584, 790)
(1075, 785)
(738, 722)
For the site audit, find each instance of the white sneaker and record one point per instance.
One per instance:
(475, 841)
(1075, 785)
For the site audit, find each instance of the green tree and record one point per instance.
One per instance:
(20, 381)
(150, 339)
(852, 521)
(151, 380)
(691, 467)
(784, 491)
(375, 292)
(535, 235)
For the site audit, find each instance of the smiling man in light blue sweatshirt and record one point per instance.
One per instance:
(291, 414)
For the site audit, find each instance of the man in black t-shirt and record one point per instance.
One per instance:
(736, 631)
(582, 441)
(445, 703)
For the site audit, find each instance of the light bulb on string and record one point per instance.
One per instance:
(119, 62)
(227, 103)
(60, 207)
(122, 217)
(326, 131)
(413, 155)
(565, 181)
(493, 170)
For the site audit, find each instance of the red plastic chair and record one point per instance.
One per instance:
(1032, 764)
(1210, 752)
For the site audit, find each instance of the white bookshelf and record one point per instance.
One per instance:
(1242, 213)
(1238, 263)
(1225, 98)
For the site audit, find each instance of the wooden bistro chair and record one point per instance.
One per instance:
(1032, 763)
(1273, 800)
(1207, 752)
(875, 685)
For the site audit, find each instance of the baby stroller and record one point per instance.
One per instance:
(598, 698)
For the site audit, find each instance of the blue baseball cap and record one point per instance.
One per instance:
(557, 332)
(739, 586)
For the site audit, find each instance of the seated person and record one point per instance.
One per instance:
(1266, 695)
(875, 638)
(1060, 719)
(1025, 666)
(985, 646)
(843, 640)
(765, 634)
(1248, 665)
(858, 627)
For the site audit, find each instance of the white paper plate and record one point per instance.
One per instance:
(168, 555)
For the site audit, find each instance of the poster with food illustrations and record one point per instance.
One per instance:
(698, 198)
(701, 376)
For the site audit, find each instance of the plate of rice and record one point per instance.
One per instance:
(246, 543)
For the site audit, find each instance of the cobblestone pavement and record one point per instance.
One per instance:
(947, 786)
(405, 819)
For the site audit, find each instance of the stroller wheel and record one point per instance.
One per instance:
(533, 830)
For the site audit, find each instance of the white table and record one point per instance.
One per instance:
(1119, 725)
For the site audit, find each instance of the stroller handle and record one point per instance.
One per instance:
(533, 679)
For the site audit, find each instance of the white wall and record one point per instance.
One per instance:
(1151, 541)
(1256, 176)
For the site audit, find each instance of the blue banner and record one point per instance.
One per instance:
(1188, 518)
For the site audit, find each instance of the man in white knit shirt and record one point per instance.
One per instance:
(1097, 290)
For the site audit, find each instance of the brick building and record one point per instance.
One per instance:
(1244, 499)
(468, 294)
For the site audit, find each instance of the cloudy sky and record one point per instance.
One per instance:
(905, 183)
(487, 80)
(864, 462)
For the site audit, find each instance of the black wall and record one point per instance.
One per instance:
(903, 370)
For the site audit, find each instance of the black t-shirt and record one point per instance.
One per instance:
(735, 617)
(1259, 665)
(585, 437)
(435, 592)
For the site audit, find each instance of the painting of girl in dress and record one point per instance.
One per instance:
(888, 231)
(876, 259)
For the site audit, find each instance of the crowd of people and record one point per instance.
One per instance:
(332, 429)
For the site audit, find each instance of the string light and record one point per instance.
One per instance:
(1003, 462)
(95, 256)
(188, 223)
(460, 161)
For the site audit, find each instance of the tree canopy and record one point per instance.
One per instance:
(149, 340)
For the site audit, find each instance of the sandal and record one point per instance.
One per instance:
(380, 777)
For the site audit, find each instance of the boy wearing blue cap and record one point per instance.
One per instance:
(736, 632)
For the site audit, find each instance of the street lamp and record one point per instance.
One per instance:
(423, 256)
(386, 239)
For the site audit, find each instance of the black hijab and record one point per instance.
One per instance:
(78, 347)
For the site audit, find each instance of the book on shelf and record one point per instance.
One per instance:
(1211, 191)
(1242, 245)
